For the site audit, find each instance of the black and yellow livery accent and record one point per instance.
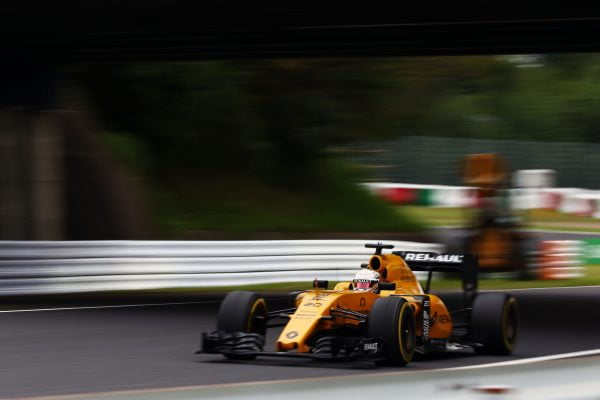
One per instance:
(390, 323)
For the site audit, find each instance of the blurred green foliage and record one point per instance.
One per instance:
(242, 204)
(273, 118)
(550, 98)
(276, 116)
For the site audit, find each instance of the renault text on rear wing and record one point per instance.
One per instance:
(466, 264)
(433, 257)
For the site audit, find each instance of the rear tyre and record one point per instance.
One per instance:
(494, 323)
(391, 319)
(242, 311)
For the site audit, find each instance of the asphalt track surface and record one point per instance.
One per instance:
(57, 352)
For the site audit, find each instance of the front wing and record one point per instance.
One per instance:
(325, 348)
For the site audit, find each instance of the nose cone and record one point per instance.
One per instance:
(304, 323)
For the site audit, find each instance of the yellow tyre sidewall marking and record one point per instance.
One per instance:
(507, 307)
(252, 311)
(405, 356)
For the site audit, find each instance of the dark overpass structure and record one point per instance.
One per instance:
(127, 30)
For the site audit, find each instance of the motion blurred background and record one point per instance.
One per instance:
(308, 148)
(297, 120)
(276, 148)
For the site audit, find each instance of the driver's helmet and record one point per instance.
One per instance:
(364, 280)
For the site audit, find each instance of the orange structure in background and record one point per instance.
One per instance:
(494, 231)
(484, 170)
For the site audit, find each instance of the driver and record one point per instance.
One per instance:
(365, 280)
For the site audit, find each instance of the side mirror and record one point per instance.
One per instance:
(317, 284)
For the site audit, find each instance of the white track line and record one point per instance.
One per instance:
(111, 306)
(523, 361)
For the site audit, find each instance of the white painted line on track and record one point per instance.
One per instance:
(523, 361)
(109, 306)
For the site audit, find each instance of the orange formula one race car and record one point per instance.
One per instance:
(384, 314)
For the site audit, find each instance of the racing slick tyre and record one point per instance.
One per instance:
(494, 323)
(391, 319)
(242, 311)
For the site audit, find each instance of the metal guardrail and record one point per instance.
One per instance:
(69, 267)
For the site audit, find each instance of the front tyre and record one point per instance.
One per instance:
(391, 319)
(242, 311)
(293, 300)
(494, 323)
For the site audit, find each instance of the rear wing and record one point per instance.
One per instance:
(466, 264)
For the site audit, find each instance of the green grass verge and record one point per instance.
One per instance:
(563, 228)
(534, 219)
(432, 216)
(591, 278)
